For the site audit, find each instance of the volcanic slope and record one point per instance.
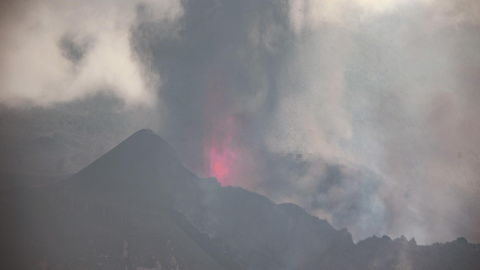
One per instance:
(138, 207)
(115, 214)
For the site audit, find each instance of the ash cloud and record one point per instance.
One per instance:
(362, 112)
(349, 83)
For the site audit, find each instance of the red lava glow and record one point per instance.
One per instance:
(221, 152)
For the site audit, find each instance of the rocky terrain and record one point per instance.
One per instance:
(138, 207)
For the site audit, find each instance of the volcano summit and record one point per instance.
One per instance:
(139, 207)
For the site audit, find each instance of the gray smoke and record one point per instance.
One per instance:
(362, 112)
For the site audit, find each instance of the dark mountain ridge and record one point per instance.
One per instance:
(136, 163)
(139, 207)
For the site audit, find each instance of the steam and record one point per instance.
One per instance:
(58, 51)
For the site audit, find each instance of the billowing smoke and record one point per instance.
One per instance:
(362, 112)
(58, 51)
(70, 85)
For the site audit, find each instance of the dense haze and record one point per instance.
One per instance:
(363, 112)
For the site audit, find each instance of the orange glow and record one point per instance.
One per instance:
(221, 154)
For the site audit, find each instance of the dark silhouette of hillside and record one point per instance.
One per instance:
(138, 207)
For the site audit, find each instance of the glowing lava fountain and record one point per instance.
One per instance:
(221, 151)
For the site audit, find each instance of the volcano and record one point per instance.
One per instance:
(139, 207)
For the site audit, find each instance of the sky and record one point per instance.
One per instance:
(363, 112)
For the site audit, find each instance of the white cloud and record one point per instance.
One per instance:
(34, 67)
